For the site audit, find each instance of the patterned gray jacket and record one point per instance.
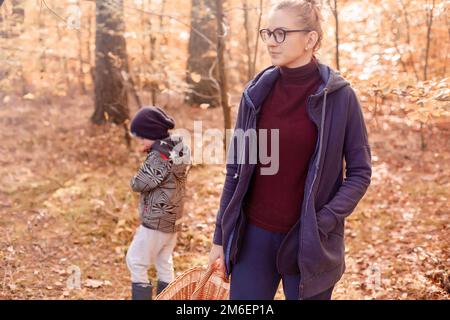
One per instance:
(161, 180)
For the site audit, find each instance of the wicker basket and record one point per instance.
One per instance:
(198, 283)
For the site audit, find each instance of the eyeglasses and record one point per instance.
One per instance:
(278, 34)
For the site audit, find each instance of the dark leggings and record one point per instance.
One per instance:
(255, 275)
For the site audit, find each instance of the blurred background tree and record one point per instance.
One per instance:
(165, 52)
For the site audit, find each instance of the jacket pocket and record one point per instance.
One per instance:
(328, 223)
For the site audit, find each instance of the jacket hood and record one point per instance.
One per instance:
(175, 149)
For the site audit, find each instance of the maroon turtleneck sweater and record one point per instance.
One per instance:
(273, 202)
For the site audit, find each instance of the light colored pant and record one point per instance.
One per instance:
(151, 247)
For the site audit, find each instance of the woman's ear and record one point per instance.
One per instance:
(313, 37)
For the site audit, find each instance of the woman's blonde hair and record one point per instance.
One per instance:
(309, 13)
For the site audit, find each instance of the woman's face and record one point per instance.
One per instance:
(291, 52)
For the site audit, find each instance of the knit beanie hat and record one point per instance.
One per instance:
(151, 123)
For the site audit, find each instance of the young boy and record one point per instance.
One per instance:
(161, 183)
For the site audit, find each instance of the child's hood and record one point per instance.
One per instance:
(175, 149)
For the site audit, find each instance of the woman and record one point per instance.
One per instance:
(289, 225)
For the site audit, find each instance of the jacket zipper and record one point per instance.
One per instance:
(315, 152)
(237, 175)
(316, 169)
(253, 112)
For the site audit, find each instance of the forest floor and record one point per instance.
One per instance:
(66, 207)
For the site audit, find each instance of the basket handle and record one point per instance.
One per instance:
(205, 277)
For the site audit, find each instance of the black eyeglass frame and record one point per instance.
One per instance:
(279, 29)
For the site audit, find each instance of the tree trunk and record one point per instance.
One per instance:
(247, 41)
(90, 19)
(255, 53)
(16, 20)
(111, 102)
(221, 67)
(430, 16)
(334, 10)
(80, 52)
(152, 57)
(202, 59)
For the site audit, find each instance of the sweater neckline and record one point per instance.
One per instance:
(302, 73)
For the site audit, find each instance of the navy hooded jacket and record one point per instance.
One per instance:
(314, 247)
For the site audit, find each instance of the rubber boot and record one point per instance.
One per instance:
(141, 291)
(161, 286)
